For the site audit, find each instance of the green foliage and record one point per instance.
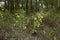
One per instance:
(6, 35)
(31, 17)
(17, 33)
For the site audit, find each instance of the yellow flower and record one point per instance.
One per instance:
(14, 24)
(35, 18)
(40, 20)
(18, 16)
(38, 26)
(41, 16)
(25, 27)
(35, 30)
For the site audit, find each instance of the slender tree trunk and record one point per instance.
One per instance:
(17, 4)
(27, 7)
(36, 5)
(31, 7)
(58, 3)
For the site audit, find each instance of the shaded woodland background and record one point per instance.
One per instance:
(29, 19)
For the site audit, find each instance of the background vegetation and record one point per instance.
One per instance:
(29, 19)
